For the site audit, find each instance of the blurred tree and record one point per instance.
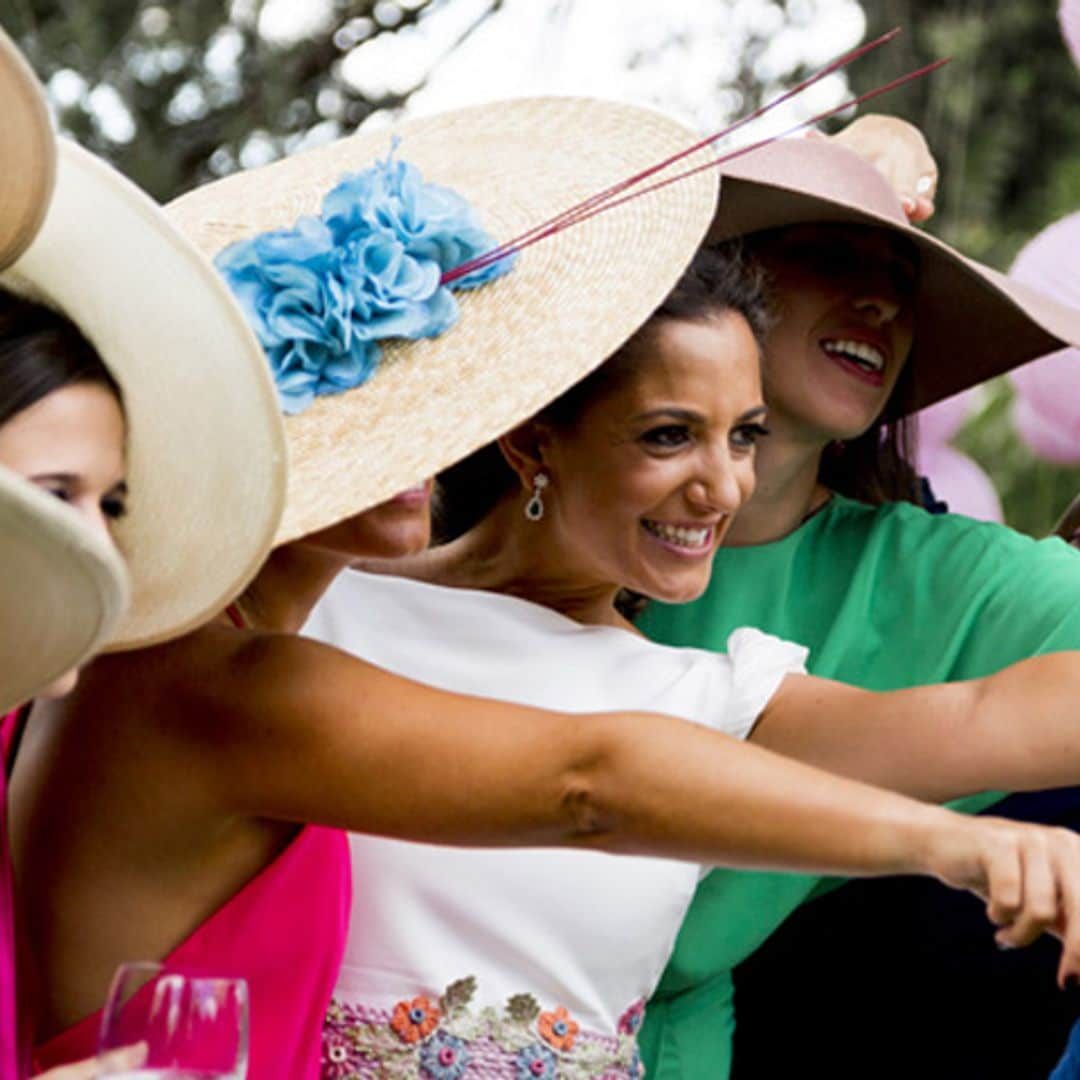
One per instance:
(1003, 120)
(175, 92)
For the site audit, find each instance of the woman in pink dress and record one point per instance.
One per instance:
(73, 430)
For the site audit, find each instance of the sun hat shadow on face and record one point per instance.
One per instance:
(971, 322)
(568, 302)
(205, 449)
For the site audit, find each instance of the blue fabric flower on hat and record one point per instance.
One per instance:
(321, 295)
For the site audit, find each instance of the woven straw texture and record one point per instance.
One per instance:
(569, 302)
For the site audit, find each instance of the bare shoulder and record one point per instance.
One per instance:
(214, 677)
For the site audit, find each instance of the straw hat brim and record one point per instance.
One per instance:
(971, 323)
(62, 590)
(569, 302)
(27, 151)
(205, 444)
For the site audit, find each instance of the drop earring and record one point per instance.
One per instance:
(534, 508)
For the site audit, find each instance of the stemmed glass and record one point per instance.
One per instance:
(194, 1027)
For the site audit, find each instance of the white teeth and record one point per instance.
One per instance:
(677, 534)
(866, 356)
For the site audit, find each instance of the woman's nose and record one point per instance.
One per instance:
(719, 491)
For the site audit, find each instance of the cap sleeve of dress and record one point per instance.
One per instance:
(759, 664)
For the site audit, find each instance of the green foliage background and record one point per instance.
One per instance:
(1003, 120)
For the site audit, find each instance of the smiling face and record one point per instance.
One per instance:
(843, 305)
(644, 484)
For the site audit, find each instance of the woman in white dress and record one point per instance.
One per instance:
(524, 964)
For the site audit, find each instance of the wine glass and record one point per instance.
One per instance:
(194, 1027)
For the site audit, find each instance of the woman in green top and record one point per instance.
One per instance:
(830, 554)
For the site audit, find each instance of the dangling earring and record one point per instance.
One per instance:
(534, 508)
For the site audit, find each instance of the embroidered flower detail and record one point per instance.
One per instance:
(444, 1057)
(631, 1020)
(339, 1061)
(322, 295)
(535, 1062)
(414, 1020)
(558, 1029)
(635, 1070)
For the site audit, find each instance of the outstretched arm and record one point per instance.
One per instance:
(306, 733)
(1016, 730)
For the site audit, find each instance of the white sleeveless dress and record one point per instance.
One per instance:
(528, 964)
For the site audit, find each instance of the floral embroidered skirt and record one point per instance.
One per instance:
(446, 1040)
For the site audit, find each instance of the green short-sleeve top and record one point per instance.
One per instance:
(885, 597)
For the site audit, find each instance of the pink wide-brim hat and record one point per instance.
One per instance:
(971, 322)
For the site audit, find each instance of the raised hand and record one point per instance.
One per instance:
(900, 153)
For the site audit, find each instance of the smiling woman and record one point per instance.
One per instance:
(630, 480)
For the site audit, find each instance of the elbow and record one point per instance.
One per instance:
(588, 794)
(587, 818)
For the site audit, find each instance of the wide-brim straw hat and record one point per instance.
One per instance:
(27, 153)
(569, 302)
(62, 590)
(205, 448)
(971, 322)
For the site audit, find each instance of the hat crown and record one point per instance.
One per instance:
(821, 170)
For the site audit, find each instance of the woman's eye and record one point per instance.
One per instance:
(58, 491)
(667, 437)
(113, 507)
(747, 435)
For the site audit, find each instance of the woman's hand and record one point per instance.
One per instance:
(128, 1057)
(1029, 876)
(900, 153)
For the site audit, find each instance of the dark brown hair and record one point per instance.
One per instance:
(42, 351)
(717, 280)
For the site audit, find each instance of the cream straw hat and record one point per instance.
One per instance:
(62, 589)
(205, 445)
(567, 304)
(971, 322)
(27, 154)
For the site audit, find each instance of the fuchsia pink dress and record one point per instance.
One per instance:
(9, 1025)
(285, 933)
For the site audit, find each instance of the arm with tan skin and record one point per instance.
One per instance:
(938, 742)
(305, 733)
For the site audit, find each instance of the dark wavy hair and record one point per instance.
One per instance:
(42, 351)
(719, 279)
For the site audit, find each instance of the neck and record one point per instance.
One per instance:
(787, 490)
(507, 554)
(289, 585)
